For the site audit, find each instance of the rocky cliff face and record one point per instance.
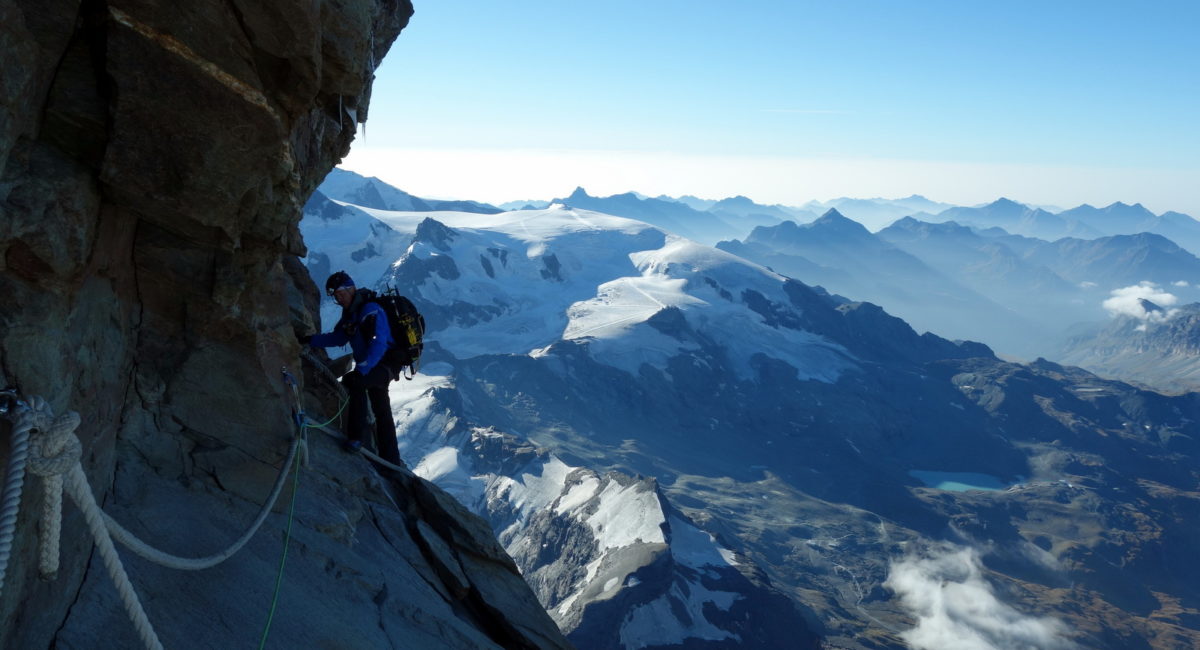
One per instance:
(1158, 349)
(153, 161)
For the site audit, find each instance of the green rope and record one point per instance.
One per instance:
(287, 537)
(335, 416)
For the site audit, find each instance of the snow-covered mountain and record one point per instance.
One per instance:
(683, 448)
(672, 216)
(613, 562)
(537, 285)
(349, 187)
(346, 237)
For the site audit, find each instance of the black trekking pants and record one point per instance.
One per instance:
(373, 388)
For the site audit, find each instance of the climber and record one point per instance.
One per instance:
(363, 325)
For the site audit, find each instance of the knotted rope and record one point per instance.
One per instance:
(55, 451)
(48, 447)
(52, 454)
(10, 502)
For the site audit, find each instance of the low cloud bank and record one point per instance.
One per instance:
(957, 608)
(1133, 301)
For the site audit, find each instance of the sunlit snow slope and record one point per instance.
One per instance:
(516, 282)
(680, 448)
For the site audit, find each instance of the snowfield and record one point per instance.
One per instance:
(541, 276)
(633, 296)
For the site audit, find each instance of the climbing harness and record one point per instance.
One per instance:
(323, 427)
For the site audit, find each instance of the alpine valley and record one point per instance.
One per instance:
(681, 448)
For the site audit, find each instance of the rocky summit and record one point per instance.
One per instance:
(154, 158)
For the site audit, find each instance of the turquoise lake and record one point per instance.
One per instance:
(958, 481)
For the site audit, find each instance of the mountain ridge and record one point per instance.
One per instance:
(843, 256)
(631, 369)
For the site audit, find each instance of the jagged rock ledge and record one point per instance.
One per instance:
(153, 162)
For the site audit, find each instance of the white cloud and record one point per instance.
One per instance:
(1128, 302)
(957, 608)
(1087, 285)
(1180, 283)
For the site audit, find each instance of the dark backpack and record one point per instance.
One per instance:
(408, 332)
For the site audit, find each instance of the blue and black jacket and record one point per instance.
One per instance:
(363, 325)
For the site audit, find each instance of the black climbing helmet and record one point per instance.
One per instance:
(338, 280)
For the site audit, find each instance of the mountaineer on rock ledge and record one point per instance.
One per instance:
(364, 326)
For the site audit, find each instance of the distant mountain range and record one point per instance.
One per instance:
(1083, 222)
(736, 216)
(682, 448)
(348, 187)
(1118, 260)
(1016, 293)
(878, 213)
(844, 257)
(1018, 219)
(1055, 284)
(980, 262)
(669, 215)
(1009, 274)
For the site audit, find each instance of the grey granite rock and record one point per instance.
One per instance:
(154, 159)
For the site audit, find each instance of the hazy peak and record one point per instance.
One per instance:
(1006, 204)
(833, 216)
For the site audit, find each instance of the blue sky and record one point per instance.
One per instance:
(1051, 102)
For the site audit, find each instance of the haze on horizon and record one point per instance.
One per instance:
(786, 102)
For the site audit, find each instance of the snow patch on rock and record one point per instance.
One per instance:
(657, 622)
(627, 515)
